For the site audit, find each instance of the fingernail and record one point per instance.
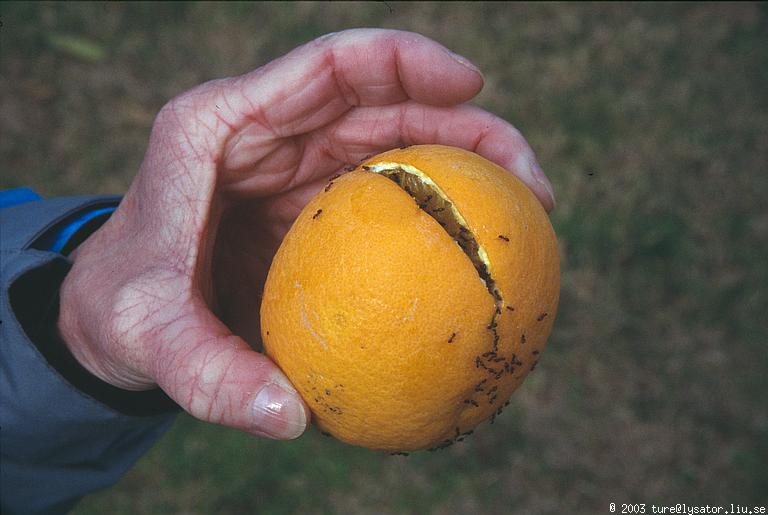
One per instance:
(526, 164)
(463, 61)
(277, 411)
(541, 178)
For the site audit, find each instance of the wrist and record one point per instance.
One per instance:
(83, 323)
(71, 311)
(33, 273)
(68, 325)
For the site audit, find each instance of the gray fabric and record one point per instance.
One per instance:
(57, 442)
(21, 225)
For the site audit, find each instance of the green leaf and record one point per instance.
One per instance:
(78, 47)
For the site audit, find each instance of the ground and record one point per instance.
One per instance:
(652, 123)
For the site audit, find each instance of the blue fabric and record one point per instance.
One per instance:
(17, 196)
(56, 240)
(62, 236)
(58, 441)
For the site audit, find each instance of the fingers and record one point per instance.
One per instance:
(318, 82)
(399, 79)
(366, 131)
(228, 125)
(464, 126)
(381, 67)
(216, 377)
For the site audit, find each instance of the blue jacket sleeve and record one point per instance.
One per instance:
(63, 432)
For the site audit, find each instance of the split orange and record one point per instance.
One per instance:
(412, 296)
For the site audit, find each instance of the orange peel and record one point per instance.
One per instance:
(412, 296)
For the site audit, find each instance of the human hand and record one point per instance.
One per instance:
(167, 291)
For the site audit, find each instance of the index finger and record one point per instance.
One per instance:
(317, 82)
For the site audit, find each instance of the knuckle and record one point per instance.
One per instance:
(188, 104)
(194, 117)
(173, 111)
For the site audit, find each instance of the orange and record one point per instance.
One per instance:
(412, 296)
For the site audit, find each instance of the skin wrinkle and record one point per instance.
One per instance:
(182, 131)
(196, 114)
(157, 327)
(221, 120)
(315, 121)
(256, 114)
(343, 88)
(305, 121)
(327, 151)
(256, 117)
(286, 174)
(217, 379)
(327, 137)
(155, 333)
(399, 68)
(226, 405)
(178, 359)
(230, 148)
(402, 127)
(224, 95)
(306, 171)
(341, 96)
(290, 172)
(261, 110)
(211, 130)
(208, 393)
(480, 137)
(328, 141)
(170, 179)
(196, 400)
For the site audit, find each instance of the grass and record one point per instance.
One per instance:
(651, 121)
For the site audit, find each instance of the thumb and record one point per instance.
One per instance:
(216, 377)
